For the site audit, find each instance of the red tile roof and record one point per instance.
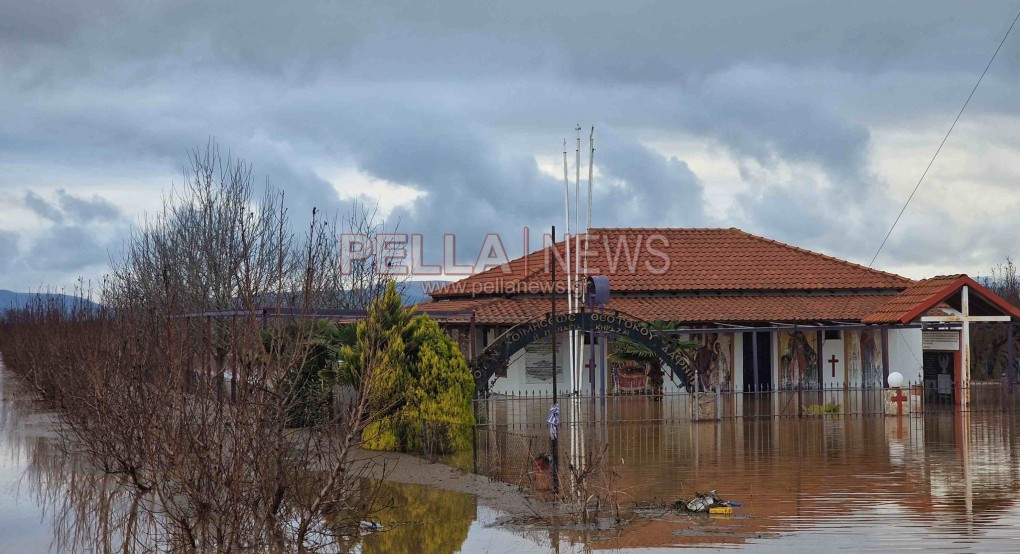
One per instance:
(669, 260)
(685, 309)
(924, 295)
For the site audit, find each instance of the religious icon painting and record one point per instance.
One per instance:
(798, 359)
(852, 355)
(864, 355)
(713, 361)
(872, 366)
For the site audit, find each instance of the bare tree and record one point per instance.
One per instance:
(185, 406)
(989, 343)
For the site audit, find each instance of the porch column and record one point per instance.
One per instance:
(965, 348)
(1010, 358)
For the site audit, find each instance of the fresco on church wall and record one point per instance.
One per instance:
(798, 359)
(713, 361)
(863, 351)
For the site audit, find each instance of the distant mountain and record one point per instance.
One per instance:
(16, 300)
(416, 292)
(412, 292)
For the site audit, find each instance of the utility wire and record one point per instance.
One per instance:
(936, 155)
(944, 139)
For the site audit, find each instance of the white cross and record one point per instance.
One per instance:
(963, 316)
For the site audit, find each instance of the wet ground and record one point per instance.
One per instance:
(943, 482)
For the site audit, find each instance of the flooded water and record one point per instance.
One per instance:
(39, 502)
(943, 482)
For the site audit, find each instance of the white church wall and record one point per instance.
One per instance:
(833, 375)
(905, 353)
(738, 361)
(529, 373)
(668, 384)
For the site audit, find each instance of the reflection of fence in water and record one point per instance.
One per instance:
(512, 456)
(513, 432)
(509, 456)
(531, 409)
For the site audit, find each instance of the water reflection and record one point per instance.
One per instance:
(49, 502)
(421, 519)
(853, 483)
(871, 482)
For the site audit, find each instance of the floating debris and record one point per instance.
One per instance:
(370, 526)
(705, 503)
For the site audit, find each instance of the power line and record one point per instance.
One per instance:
(944, 139)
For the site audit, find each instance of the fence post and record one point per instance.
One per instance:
(718, 403)
(800, 398)
(474, 448)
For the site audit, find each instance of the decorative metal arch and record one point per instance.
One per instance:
(496, 357)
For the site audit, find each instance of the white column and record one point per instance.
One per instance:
(965, 347)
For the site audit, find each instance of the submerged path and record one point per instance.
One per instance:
(396, 467)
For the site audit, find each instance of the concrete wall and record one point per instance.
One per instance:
(516, 378)
(905, 353)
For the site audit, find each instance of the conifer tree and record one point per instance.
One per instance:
(423, 400)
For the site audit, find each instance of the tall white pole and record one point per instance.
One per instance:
(566, 257)
(578, 337)
(587, 222)
(965, 348)
(587, 229)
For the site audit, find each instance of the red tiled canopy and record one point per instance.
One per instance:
(924, 295)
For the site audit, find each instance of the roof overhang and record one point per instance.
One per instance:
(984, 305)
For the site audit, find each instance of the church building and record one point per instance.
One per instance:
(757, 313)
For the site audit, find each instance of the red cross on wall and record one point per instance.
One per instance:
(833, 361)
(899, 399)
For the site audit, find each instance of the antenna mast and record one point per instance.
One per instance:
(566, 242)
(578, 338)
(587, 222)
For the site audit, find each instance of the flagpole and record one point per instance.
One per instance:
(577, 337)
(554, 439)
(566, 241)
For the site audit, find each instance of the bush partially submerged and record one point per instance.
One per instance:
(823, 409)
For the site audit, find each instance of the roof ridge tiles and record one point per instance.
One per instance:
(906, 280)
(710, 256)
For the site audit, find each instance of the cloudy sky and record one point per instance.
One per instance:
(807, 122)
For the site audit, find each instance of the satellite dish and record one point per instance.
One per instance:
(596, 294)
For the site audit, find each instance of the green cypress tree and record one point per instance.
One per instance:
(440, 388)
(422, 387)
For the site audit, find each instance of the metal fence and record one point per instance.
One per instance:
(511, 438)
(525, 409)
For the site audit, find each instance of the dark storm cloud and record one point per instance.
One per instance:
(87, 210)
(653, 189)
(455, 100)
(473, 187)
(42, 208)
(73, 208)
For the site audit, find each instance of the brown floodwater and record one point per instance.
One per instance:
(942, 481)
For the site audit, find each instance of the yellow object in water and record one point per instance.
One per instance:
(721, 510)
